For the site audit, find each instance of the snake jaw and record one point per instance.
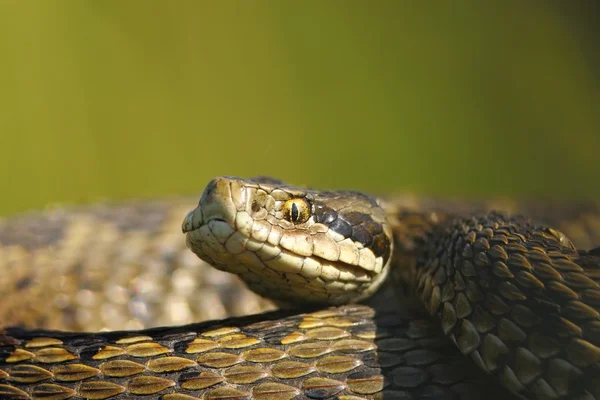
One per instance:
(245, 227)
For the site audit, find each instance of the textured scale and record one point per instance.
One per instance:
(518, 300)
(345, 351)
(516, 312)
(122, 266)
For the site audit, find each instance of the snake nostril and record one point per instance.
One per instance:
(215, 204)
(210, 188)
(186, 225)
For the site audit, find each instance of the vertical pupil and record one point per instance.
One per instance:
(294, 212)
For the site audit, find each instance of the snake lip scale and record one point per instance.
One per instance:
(507, 308)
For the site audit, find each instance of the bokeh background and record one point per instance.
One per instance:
(121, 99)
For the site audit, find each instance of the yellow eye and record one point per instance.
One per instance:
(296, 211)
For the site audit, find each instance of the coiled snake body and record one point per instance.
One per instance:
(517, 299)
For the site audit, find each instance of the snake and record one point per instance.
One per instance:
(377, 297)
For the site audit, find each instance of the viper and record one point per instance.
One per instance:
(394, 303)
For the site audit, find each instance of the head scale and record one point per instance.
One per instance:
(292, 244)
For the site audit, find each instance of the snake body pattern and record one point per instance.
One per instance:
(517, 299)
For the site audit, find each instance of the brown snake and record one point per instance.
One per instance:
(517, 298)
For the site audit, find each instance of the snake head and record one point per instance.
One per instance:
(292, 244)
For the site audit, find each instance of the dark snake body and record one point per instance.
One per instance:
(348, 351)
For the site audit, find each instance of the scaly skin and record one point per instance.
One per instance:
(394, 354)
(350, 352)
(111, 267)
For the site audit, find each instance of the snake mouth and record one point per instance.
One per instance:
(269, 235)
(191, 225)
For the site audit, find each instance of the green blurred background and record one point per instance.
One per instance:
(120, 99)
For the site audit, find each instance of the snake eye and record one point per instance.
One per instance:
(296, 211)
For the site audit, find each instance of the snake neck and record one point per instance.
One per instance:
(413, 230)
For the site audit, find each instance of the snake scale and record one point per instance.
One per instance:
(449, 299)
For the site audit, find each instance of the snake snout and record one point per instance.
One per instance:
(215, 204)
(212, 223)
